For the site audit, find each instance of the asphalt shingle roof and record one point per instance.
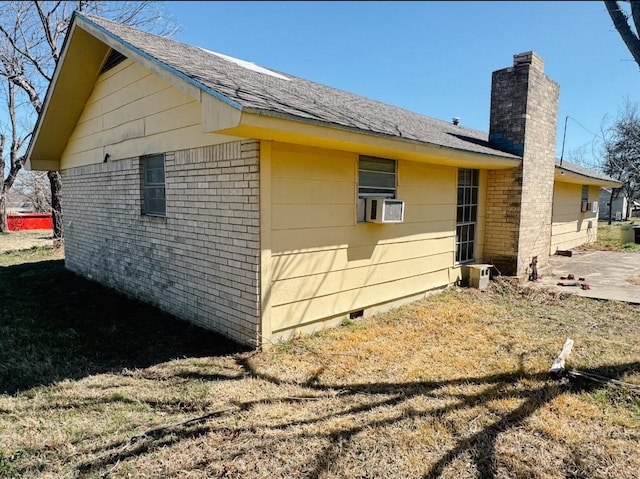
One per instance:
(302, 99)
(581, 170)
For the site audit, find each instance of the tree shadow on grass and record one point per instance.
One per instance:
(479, 444)
(55, 325)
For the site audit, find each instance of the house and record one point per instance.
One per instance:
(619, 206)
(621, 209)
(261, 205)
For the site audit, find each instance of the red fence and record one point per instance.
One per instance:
(29, 221)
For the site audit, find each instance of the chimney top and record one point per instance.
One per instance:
(455, 120)
(529, 58)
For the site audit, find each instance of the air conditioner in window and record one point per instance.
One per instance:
(384, 210)
(594, 207)
(584, 206)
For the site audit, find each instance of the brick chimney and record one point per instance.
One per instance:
(523, 121)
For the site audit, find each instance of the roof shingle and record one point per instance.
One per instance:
(272, 94)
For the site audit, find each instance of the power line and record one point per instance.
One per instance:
(585, 128)
(564, 135)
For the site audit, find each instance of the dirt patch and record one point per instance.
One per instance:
(634, 280)
(19, 240)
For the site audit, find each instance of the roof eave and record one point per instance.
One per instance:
(278, 126)
(67, 91)
(565, 175)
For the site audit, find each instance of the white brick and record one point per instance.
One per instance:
(185, 263)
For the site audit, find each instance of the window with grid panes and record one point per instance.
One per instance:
(466, 215)
(153, 185)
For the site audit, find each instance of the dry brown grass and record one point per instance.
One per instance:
(453, 386)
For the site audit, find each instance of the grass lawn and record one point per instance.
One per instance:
(96, 385)
(609, 238)
(21, 240)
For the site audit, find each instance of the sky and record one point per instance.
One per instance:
(434, 58)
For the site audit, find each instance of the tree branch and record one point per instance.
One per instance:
(29, 89)
(24, 53)
(13, 172)
(635, 14)
(621, 24)
(2, 163)
(46, 26)
(14, 45)
(622, 149)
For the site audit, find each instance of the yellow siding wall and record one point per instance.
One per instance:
(570, 226)
(133, 112)
(325, 264)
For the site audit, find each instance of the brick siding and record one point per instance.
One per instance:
(524, 107)
(199, 263)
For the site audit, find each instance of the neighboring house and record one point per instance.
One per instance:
(249, 201)
(619, 209)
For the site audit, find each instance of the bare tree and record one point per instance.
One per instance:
(585, 155)
(11, 144)
(622, 151)
(31, 190)
(621, 23)
(31, 36)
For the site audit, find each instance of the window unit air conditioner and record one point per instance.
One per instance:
(384, 210)
(584, 206)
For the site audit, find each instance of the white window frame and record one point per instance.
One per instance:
(380, 167)
(468, 189)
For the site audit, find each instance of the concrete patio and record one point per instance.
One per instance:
(610, 275)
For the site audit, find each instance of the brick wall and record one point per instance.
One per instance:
(524, 108)
(502, 219)
(199, 263)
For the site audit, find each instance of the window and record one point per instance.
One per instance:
(376, 178)
(584, 199)
(466, 215)
(153, 185)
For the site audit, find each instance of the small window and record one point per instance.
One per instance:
(585, 193)
(376, 178)
(154, 185)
